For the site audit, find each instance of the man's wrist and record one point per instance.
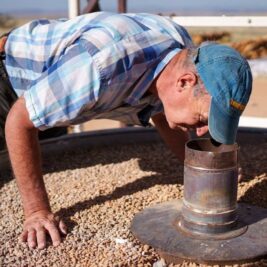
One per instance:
(30, 211)
(31, 207)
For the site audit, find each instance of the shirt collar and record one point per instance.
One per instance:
(148, 77)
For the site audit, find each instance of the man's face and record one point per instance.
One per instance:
(186, 111)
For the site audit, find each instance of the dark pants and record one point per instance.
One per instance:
(7, 99)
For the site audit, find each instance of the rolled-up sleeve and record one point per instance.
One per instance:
(61, 93)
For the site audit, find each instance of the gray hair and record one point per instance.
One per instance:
(189, 63)
(192, 53)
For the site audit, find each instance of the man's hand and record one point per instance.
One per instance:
(25, 156)
(41, 224)
(175, 139)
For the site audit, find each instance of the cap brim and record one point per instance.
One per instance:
(222, 127)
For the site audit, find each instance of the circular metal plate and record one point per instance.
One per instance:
(157, 227)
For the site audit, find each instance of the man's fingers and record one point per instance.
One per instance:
(63, 227)
(32, 238)
(41, 238)
(23, 237)
(41, 224)
(54, 234)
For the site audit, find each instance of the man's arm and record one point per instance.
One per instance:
(175, 139)
(23, 146)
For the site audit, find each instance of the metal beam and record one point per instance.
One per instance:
(255, 122)
(74, 8)
(122, 6)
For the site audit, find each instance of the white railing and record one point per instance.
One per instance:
(74, 8)
(221, 21)
(209, 21)
(254, 122)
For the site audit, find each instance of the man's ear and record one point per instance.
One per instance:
(186, 80)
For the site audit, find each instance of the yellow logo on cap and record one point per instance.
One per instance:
(237, 105)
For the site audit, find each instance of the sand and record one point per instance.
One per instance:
(98, 191)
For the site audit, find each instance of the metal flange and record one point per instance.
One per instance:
(158, 227)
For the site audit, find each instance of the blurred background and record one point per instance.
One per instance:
(250, 41)
(180, 7)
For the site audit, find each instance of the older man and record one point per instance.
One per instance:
(129, 67)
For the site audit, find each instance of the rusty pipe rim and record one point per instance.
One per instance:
(202, 154)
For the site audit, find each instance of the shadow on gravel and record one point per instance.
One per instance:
(164, 164)
(257, 194)
(156, 158)
(152, 157)
(129, 189)
(149, 159)
(5, 177)
(252, 159)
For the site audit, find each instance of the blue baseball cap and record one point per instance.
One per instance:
(228, 79)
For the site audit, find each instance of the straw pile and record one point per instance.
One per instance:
(250, 49)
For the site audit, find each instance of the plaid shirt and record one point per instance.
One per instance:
(94, 66)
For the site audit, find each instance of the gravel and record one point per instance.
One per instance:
(98, 191)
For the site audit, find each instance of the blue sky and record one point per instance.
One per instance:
(10, 6)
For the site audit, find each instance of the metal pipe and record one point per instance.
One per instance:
(122, 6)
(210, 188)
(74, 8)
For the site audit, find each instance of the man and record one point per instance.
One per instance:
(129, 67)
